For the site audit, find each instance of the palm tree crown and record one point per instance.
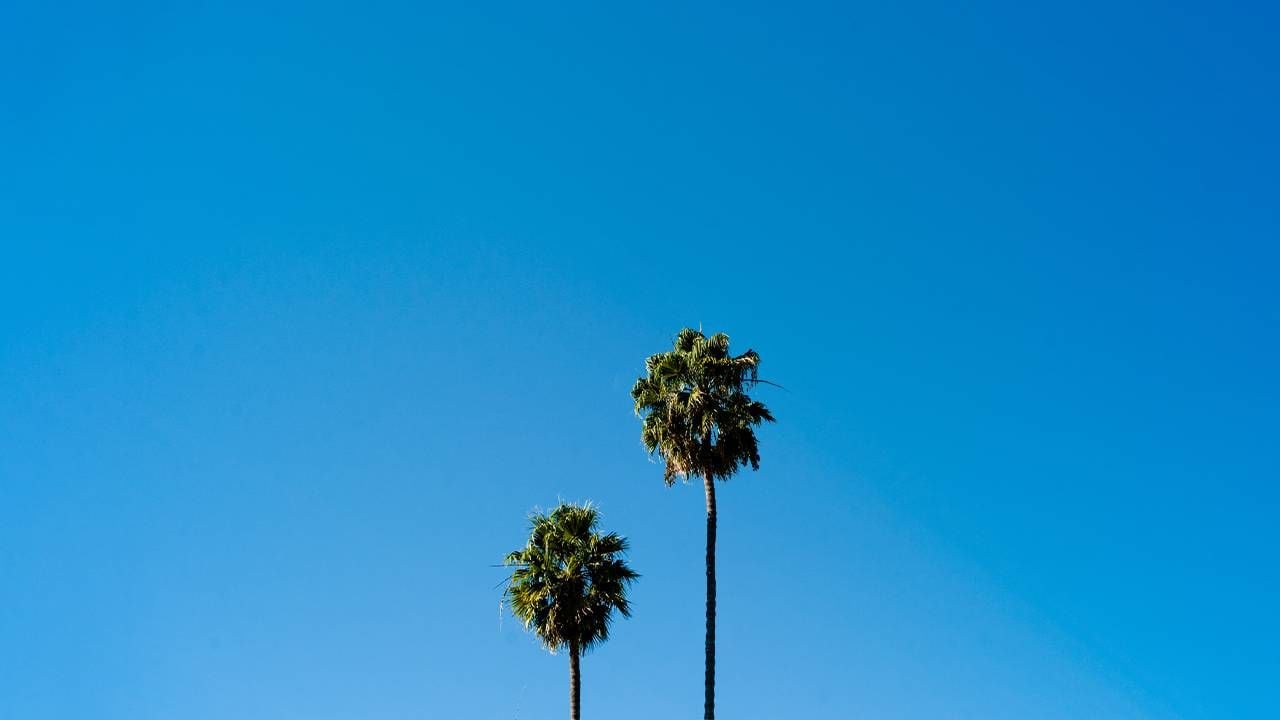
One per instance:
(695, 409)
(569, 578)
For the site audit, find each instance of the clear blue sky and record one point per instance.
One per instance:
(306, 306)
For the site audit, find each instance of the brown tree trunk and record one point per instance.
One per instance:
(575, 685)
(709, 704)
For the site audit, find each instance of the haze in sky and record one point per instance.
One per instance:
(307, 305)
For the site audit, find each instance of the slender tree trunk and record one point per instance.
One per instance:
(709, 704)
(575, 685)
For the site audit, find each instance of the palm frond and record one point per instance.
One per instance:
(695, 410)
(569, 578)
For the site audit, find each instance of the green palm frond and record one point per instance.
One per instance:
(569, 578)
(696, 413)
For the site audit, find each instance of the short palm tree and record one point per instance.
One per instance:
(698, 417)
(568, 580)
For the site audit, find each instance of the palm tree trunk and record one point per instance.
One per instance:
(575, 685)
(709, 704)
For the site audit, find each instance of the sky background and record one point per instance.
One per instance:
(304, 307)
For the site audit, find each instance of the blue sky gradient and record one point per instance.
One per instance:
(307, 305)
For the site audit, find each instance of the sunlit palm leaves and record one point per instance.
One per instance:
(569, 578)
(696, 413)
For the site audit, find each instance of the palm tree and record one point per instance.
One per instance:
(568, 580)
(698, 417)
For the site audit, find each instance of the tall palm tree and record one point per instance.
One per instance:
(568, 580)
(698, 417)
